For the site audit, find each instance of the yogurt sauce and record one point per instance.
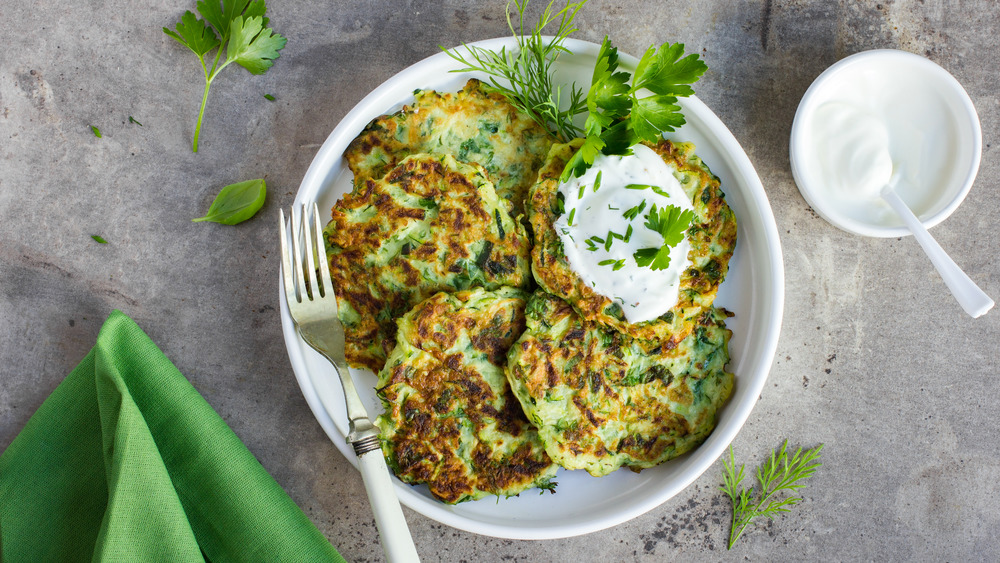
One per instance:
(642, 293)
(853, 145)
(874, 124)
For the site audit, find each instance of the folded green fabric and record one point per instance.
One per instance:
(125, 461)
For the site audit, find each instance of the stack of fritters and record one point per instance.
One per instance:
(431, 224)
(450, 419)
(478, 402)
(604, 392)
(712, 236)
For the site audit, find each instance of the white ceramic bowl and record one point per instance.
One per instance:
(939, 92)
(753, 290)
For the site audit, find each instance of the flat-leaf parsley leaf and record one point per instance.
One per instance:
(618, 117)
(671, 222)
(237, 28)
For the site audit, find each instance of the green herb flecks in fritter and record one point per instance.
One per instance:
(712, 235)
(601, 401)
(451, 420)
(476, 125)
(432, 224)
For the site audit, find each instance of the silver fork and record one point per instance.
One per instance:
(313, 307)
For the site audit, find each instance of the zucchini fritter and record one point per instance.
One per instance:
(450, 418)
(476, 125)
(600, 401)
(431, 224)
(712, 236)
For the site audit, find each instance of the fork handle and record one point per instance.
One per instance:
(392, 529)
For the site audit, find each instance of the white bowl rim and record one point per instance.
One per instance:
(754, 373)
(797, 143)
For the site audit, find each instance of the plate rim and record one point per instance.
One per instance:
(385, 96)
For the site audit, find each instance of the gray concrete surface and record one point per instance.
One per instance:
(875, 359)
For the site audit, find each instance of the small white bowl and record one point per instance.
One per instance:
(905, 85)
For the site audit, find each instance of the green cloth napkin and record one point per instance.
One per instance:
(125, 461)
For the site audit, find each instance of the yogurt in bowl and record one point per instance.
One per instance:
(876, 104)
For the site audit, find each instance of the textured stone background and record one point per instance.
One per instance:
(875, 359)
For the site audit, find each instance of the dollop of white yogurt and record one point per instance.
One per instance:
(643, 293)
(853, 145)
(872, 123)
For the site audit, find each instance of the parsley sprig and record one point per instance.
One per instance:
(671, 222)
(524, 75)
(619, 116)
(236, 27)
(779, 473)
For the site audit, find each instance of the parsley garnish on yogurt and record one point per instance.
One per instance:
(671, 222)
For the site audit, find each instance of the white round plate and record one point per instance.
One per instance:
(754, 291)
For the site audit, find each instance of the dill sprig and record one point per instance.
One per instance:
(524, 75)
(779, 473)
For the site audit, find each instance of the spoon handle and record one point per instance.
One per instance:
(975, 302)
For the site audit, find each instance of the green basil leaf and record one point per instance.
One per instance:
(99, 239)
(236, 202)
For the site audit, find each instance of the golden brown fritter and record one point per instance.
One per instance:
(451, 420)
(475, 125)
(712, 236)
(432, 224)
(601, 401)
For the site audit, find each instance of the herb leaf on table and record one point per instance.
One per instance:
(236, 202)
(253, 46)
(237, 28)
(779, 473)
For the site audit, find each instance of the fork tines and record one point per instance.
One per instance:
(300, 275)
